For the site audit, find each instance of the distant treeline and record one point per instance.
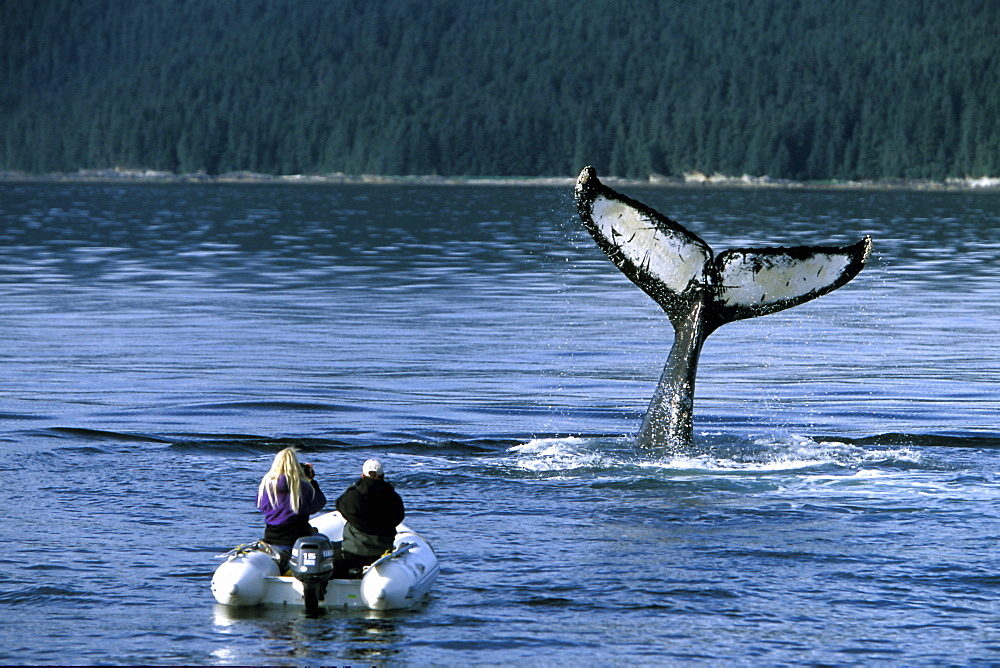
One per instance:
(801, 89)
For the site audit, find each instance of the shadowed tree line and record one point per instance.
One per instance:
(824, 89)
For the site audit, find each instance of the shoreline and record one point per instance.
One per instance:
(117, 175)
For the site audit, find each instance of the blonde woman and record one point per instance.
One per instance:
(288, 495)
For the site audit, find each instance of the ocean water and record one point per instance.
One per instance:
(160, 342)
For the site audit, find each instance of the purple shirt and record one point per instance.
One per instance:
(311, 499)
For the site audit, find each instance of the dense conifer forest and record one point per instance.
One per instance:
(800, 89)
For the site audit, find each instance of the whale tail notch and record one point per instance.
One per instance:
(698, 291)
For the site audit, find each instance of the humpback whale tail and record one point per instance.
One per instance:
(698, 291)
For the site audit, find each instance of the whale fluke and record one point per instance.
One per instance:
(698, 291)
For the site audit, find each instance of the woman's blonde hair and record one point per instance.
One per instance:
(285, 463)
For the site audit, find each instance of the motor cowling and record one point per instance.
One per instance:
(312, 558)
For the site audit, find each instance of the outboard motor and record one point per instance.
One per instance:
(312, 564)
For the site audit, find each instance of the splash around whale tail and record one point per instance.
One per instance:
(698, 291)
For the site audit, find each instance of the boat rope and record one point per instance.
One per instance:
(246, 548)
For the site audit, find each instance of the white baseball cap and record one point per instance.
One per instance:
(372, 468)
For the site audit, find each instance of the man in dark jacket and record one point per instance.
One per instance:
(372, 509)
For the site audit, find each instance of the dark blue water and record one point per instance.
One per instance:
(158, 343)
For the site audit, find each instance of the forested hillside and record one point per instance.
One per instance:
(803, 89)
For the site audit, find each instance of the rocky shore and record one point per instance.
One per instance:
(687, 180)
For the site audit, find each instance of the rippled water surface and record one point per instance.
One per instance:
(160, 342)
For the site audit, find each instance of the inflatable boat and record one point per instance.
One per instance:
(400, 578)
